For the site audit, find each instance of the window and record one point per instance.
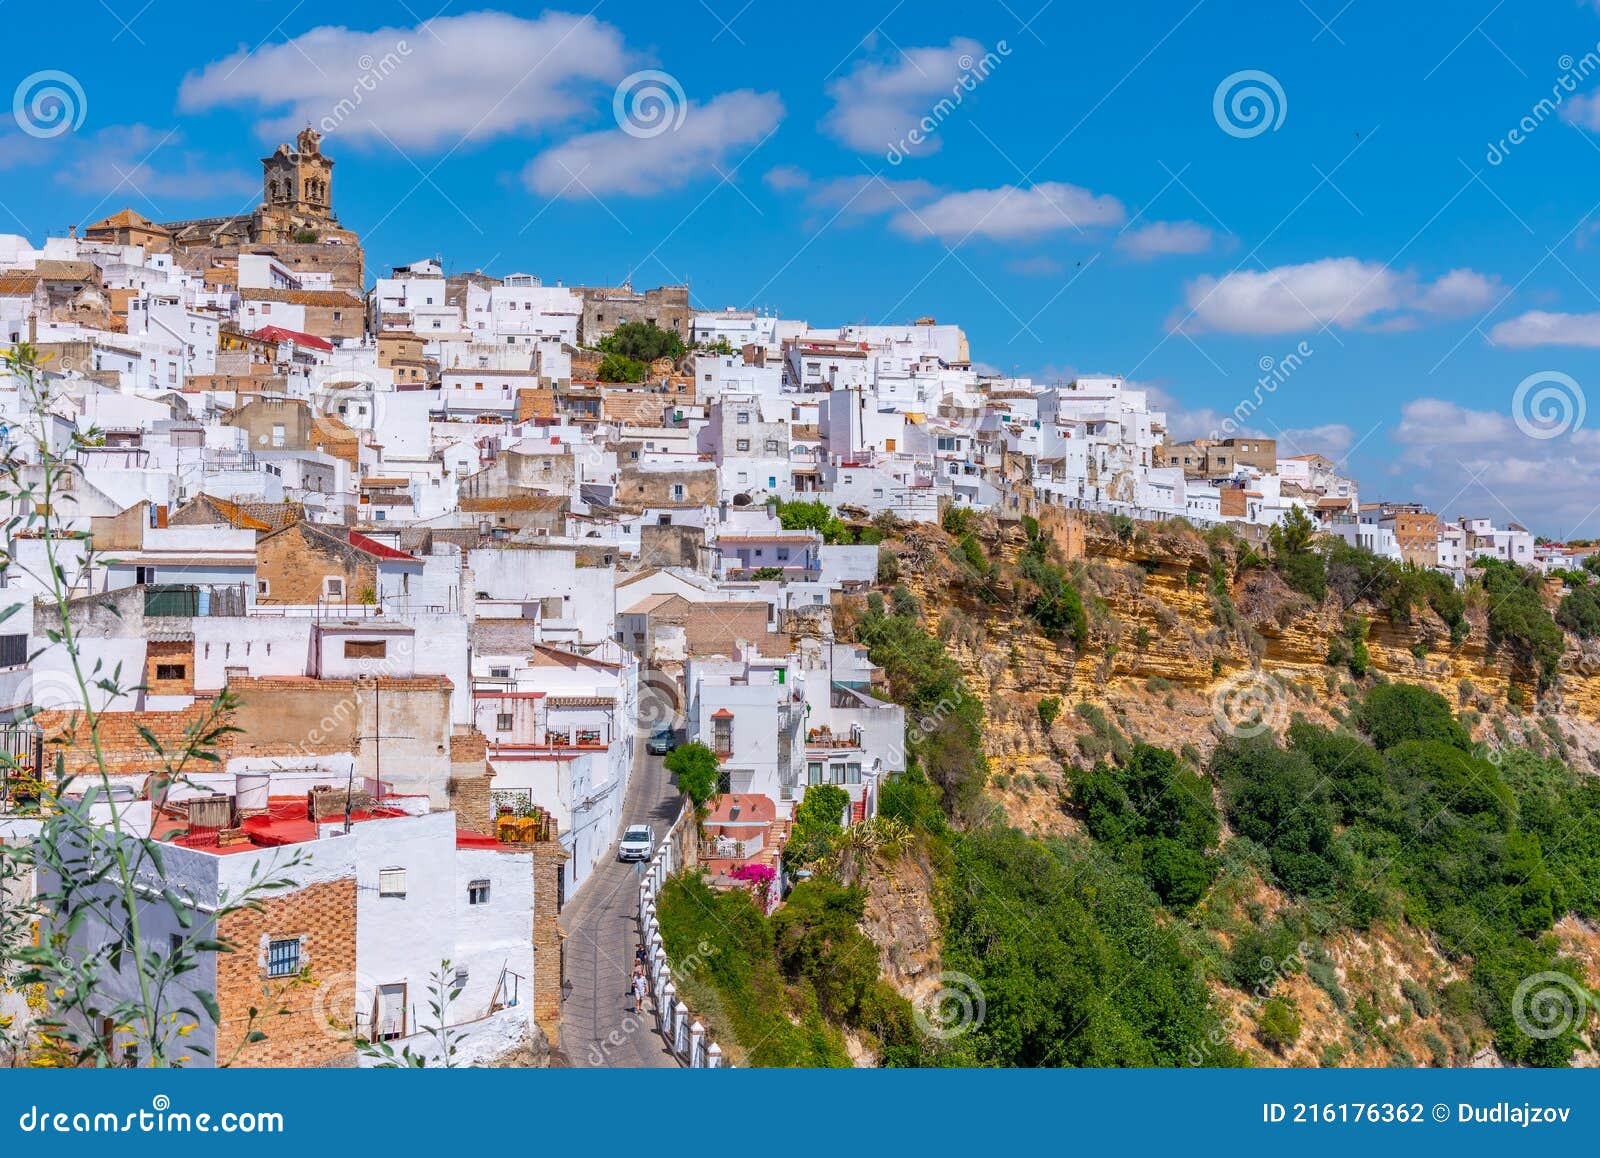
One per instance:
(744, 418)
(742, 444)
(503, 722)
(852, 773)
(174, 944)
(392, 882)
(171, 671)
(836, 774)
(814, 773)
(13, 650)
(478, 893)
(365, 648)
(333, 587)
(722, 736)
(142, 575)
(500, 673)
(677, 490)
(283, 957)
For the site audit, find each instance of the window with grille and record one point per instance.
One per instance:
(392, 882)
(283, 957)
(478, 893)
(13, 650)
(503, 722)
(171, 671)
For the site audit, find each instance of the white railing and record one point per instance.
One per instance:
(683, 1033)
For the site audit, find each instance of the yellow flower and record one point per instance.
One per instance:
(186, 1030)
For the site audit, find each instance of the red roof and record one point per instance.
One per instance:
(722, 714)
(373, 547)
(279, 334)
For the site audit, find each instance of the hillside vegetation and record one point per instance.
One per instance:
(1185, 800)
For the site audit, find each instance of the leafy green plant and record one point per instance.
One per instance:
(93, 907)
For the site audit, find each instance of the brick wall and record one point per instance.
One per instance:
(323, 916)
(168, 655)
(548, 962)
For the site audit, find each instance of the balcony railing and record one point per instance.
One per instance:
(827, 738)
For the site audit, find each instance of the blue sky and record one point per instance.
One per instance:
(1094, 202)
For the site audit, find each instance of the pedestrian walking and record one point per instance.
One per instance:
(640, 988)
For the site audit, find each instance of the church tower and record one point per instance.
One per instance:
(299, 184)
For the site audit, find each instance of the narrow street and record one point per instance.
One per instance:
(598, 1025)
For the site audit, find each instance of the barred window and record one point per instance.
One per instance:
(478, 893)
(283, 957)
(392, 882)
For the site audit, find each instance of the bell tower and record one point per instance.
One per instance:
(299, 183)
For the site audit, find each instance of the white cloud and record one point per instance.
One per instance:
(1435, 422)
(1479, 462)
(786, 178)
(1330, 438)
(858, 196)
(469, 77)
(1010, 213)
(614, 161)
(876, 104)
(1461, 291)
(1335, 291)
(125, 163)
(1160, 238)
(1539, 328)
(1583, 111)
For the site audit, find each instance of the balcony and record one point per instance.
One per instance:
(826, 739)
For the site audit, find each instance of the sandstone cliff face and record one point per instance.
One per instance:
(901, 920)
(1162, 664)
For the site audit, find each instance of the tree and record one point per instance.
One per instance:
(643, 342)
(1579, 612)
(818, 818)
(1392, 713)
(1279, 1027)
(697, 771)
(813, 516)
(621, 368)
(1518, 620)
(1302, 568)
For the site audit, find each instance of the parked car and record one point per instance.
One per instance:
(661, 741)
(637, 843)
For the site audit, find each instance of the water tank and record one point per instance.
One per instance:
(253, 789)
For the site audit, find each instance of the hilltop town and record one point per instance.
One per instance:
(439, 567)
